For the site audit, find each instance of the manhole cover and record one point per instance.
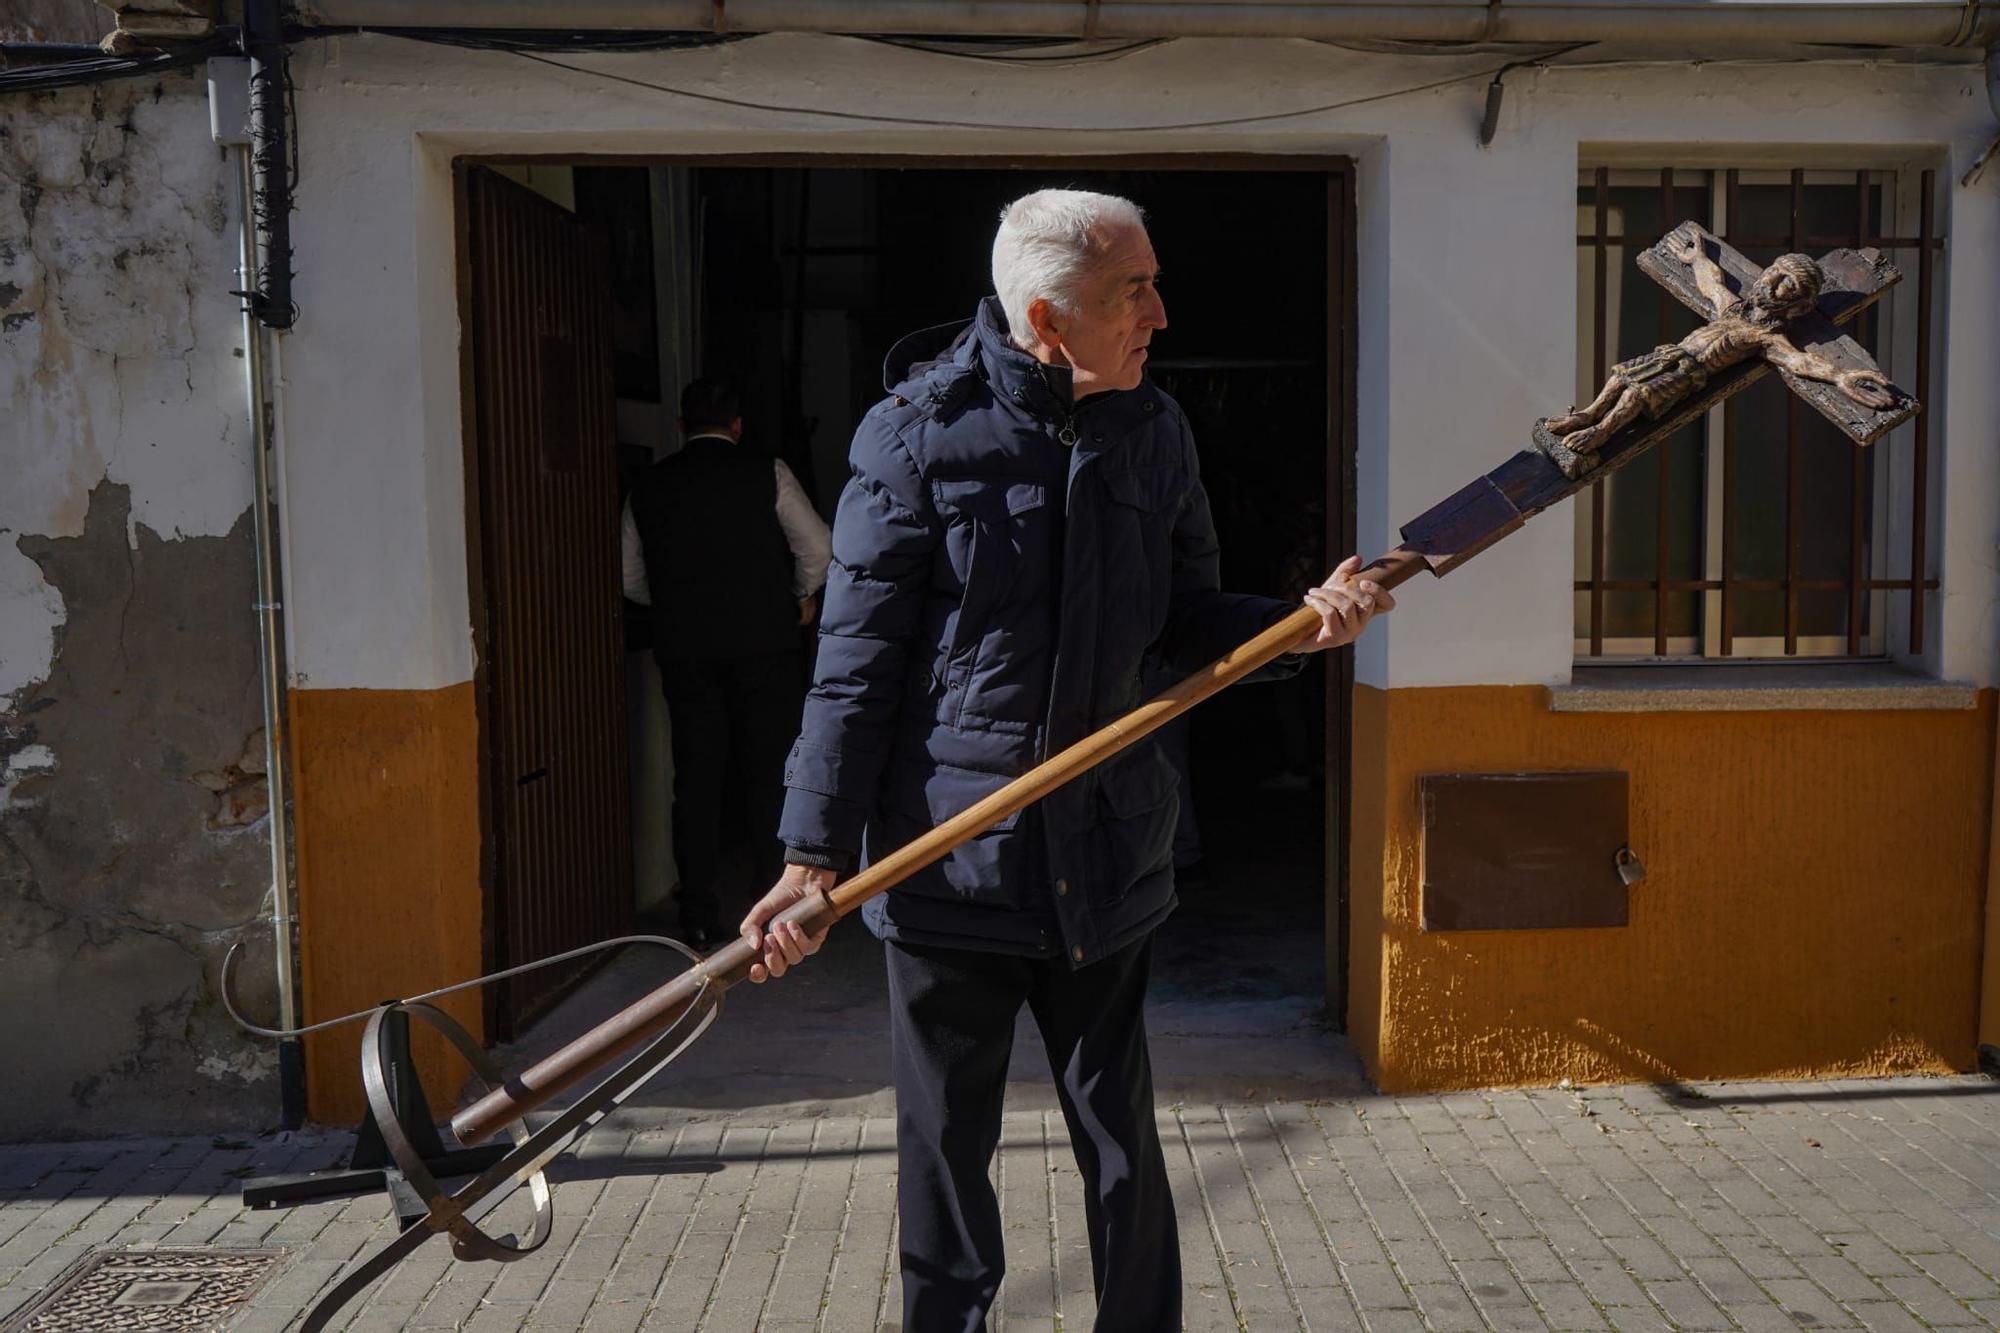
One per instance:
(115, 1290)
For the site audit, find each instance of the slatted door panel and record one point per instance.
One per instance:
(551, 643)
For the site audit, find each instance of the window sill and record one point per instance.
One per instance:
(1758, 688)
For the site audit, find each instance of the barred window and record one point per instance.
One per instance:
(1758, 531)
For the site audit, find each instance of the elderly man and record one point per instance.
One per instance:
(1024, 523)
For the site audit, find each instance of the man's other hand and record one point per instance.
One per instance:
(1345, 605)
(785, 945)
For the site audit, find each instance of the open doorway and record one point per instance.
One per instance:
(795, 276)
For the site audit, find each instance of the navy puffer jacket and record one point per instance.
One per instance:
(1003, 560)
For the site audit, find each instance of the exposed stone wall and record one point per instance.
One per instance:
(132, 811)
(54, 21)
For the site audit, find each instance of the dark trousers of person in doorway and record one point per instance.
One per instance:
(733, 716)
(952, 1030)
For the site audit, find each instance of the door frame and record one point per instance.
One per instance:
(1342, 425)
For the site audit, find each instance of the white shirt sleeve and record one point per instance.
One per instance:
(634, 559)
(811, 543)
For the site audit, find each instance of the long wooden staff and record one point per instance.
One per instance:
(1440, 540)
(651, 1015)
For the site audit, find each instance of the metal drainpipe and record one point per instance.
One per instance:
(270, 665)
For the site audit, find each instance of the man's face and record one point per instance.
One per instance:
(1119, 309)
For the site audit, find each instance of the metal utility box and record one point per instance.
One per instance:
(1525, 851)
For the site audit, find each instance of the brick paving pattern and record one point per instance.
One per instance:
(1869, 1205)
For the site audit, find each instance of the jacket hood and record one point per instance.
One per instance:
(980, 346)
(915, 355)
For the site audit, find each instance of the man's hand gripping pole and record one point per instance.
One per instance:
(523, 1092)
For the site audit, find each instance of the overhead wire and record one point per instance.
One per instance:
(44, 75)
(104, 68)
(580, 41)
(530, 42)
(1397, 46)
(941, 123)
(991, 57)
(1698, 62)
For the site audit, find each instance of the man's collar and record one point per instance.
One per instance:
(1011, 367)
(1047, 389)
(724, 436)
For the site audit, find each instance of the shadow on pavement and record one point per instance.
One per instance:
(1236, 1009)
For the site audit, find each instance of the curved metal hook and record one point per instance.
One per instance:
(458, 1214)
(360, 1015)
(468, 1241)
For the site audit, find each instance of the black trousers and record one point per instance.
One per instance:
(952, 1029)
(736, 717)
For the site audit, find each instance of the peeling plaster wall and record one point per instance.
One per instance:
(54, 21)
(132, 806)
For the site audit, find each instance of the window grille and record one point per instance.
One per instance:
(1758, 531)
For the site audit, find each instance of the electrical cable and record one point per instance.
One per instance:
(103, 69)
(274, 160)
(526, 41)
(1489, 120)
(1069, 58)
(1396, 46)
(1223, 122)
(100, 68)
(46, 53)
(1698, 62)
(580, 41)
(1496, 74)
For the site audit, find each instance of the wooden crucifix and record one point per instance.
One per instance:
(1781, 315)
(1787, 317)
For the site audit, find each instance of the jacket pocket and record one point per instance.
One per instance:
(992, 522)
(989, 869)
(1138, 802)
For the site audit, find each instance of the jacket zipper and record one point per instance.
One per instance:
(1066, 436)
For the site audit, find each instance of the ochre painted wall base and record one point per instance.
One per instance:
(1814, 902)
(387, 815)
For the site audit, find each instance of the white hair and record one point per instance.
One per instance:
(1047, 242)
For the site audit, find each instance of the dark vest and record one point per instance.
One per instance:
(716, 559)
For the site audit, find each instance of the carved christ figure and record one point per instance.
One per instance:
(1738, 328)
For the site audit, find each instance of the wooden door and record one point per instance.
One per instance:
(547, 598)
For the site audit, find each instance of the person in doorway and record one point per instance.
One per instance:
(1024, 523)
(725, 547)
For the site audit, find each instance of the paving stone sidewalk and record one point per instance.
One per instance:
(1755, 1206)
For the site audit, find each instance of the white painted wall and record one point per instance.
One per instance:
(117, 336)
(1466, 283)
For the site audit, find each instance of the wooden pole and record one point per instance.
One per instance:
(646, 1018)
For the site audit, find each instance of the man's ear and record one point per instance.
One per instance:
(1045, 321)
(736, 428)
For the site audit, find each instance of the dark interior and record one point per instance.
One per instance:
(807, 276)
